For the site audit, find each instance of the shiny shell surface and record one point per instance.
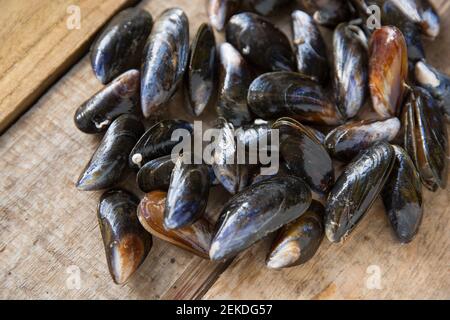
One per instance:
(155, 174)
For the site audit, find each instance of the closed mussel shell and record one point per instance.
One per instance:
(279, 94)
(195, 238)
(260, 42)
(119, 97)
(298, 241)
(155, 174)
(267, 7)
(257, 211)
(329, 12)
(188, 193)
(350, 68)
(388, 70)
(402, 197)
(356, 189)
(219, 11)
(346, 141)
(234, 79)
(201, 72)
(119, 47)
(304, 155)
(109, 161)
(166, 56)
(157, 142)
(126, 242)
(309, 46)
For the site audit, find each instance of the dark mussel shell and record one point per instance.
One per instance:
(309, 47)
(155, 174)
(126, 242)
(356, 189)
(346, 141)
(195, 238)
(304, 154)
(402, 197)
(388, 70)
(157, 142)
(278, 94)
(350, 68)
(188, 193)
(259, 176)
(166, 56)
(109, 161)
(329, 12)
(425, 138)
(260, 42)
(298, 241)
(254, 134)
(201, 72)
(119, 47)
(219, 11)
(231, 173)
(267, 7)
(119, 97)
(234, 79)
(436, 82)
(257, 211)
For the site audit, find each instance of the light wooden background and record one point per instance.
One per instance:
(47, 226)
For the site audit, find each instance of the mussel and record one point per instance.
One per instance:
(425, 138)
(201, 73)
(346, 141)
(329, 12)
(195, 238)
(297, 242)
(234, 79)
(219, 11)
(260, 42)
(388, 70)
(436, 82)
(188, 193)
(119, 46)
(267, 7)
(278, 94)
(109, 161)
(165, 60)
(119, 97)
(157, 142)
(310, 48)
(304, 154)
(126, 242)
(402, 197)
(257, 211)
(430, 23)
(350, 68)
(356, 189)
(232, 174)
(155, 174)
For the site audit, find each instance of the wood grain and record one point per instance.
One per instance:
(38, 47)
(48, 228)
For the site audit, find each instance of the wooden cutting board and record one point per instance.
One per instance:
(49, 231)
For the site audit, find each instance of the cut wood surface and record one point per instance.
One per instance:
(49, 232)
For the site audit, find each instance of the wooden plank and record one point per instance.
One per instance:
(39, 45)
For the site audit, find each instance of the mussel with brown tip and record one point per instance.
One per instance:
(425, 138)
(297, 242)
(109, 161)
(257, 211)
(289, 94)
(234, 79)
(402, 197)
(356, 189)
(310, 49)
(346, 141)
(120, 45)
(219, 11)
(126, 242)
(119, 97)
(200, 79)
(195, 238)
(165, 60)
(260, 42)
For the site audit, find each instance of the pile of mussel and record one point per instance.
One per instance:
(359, 118)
